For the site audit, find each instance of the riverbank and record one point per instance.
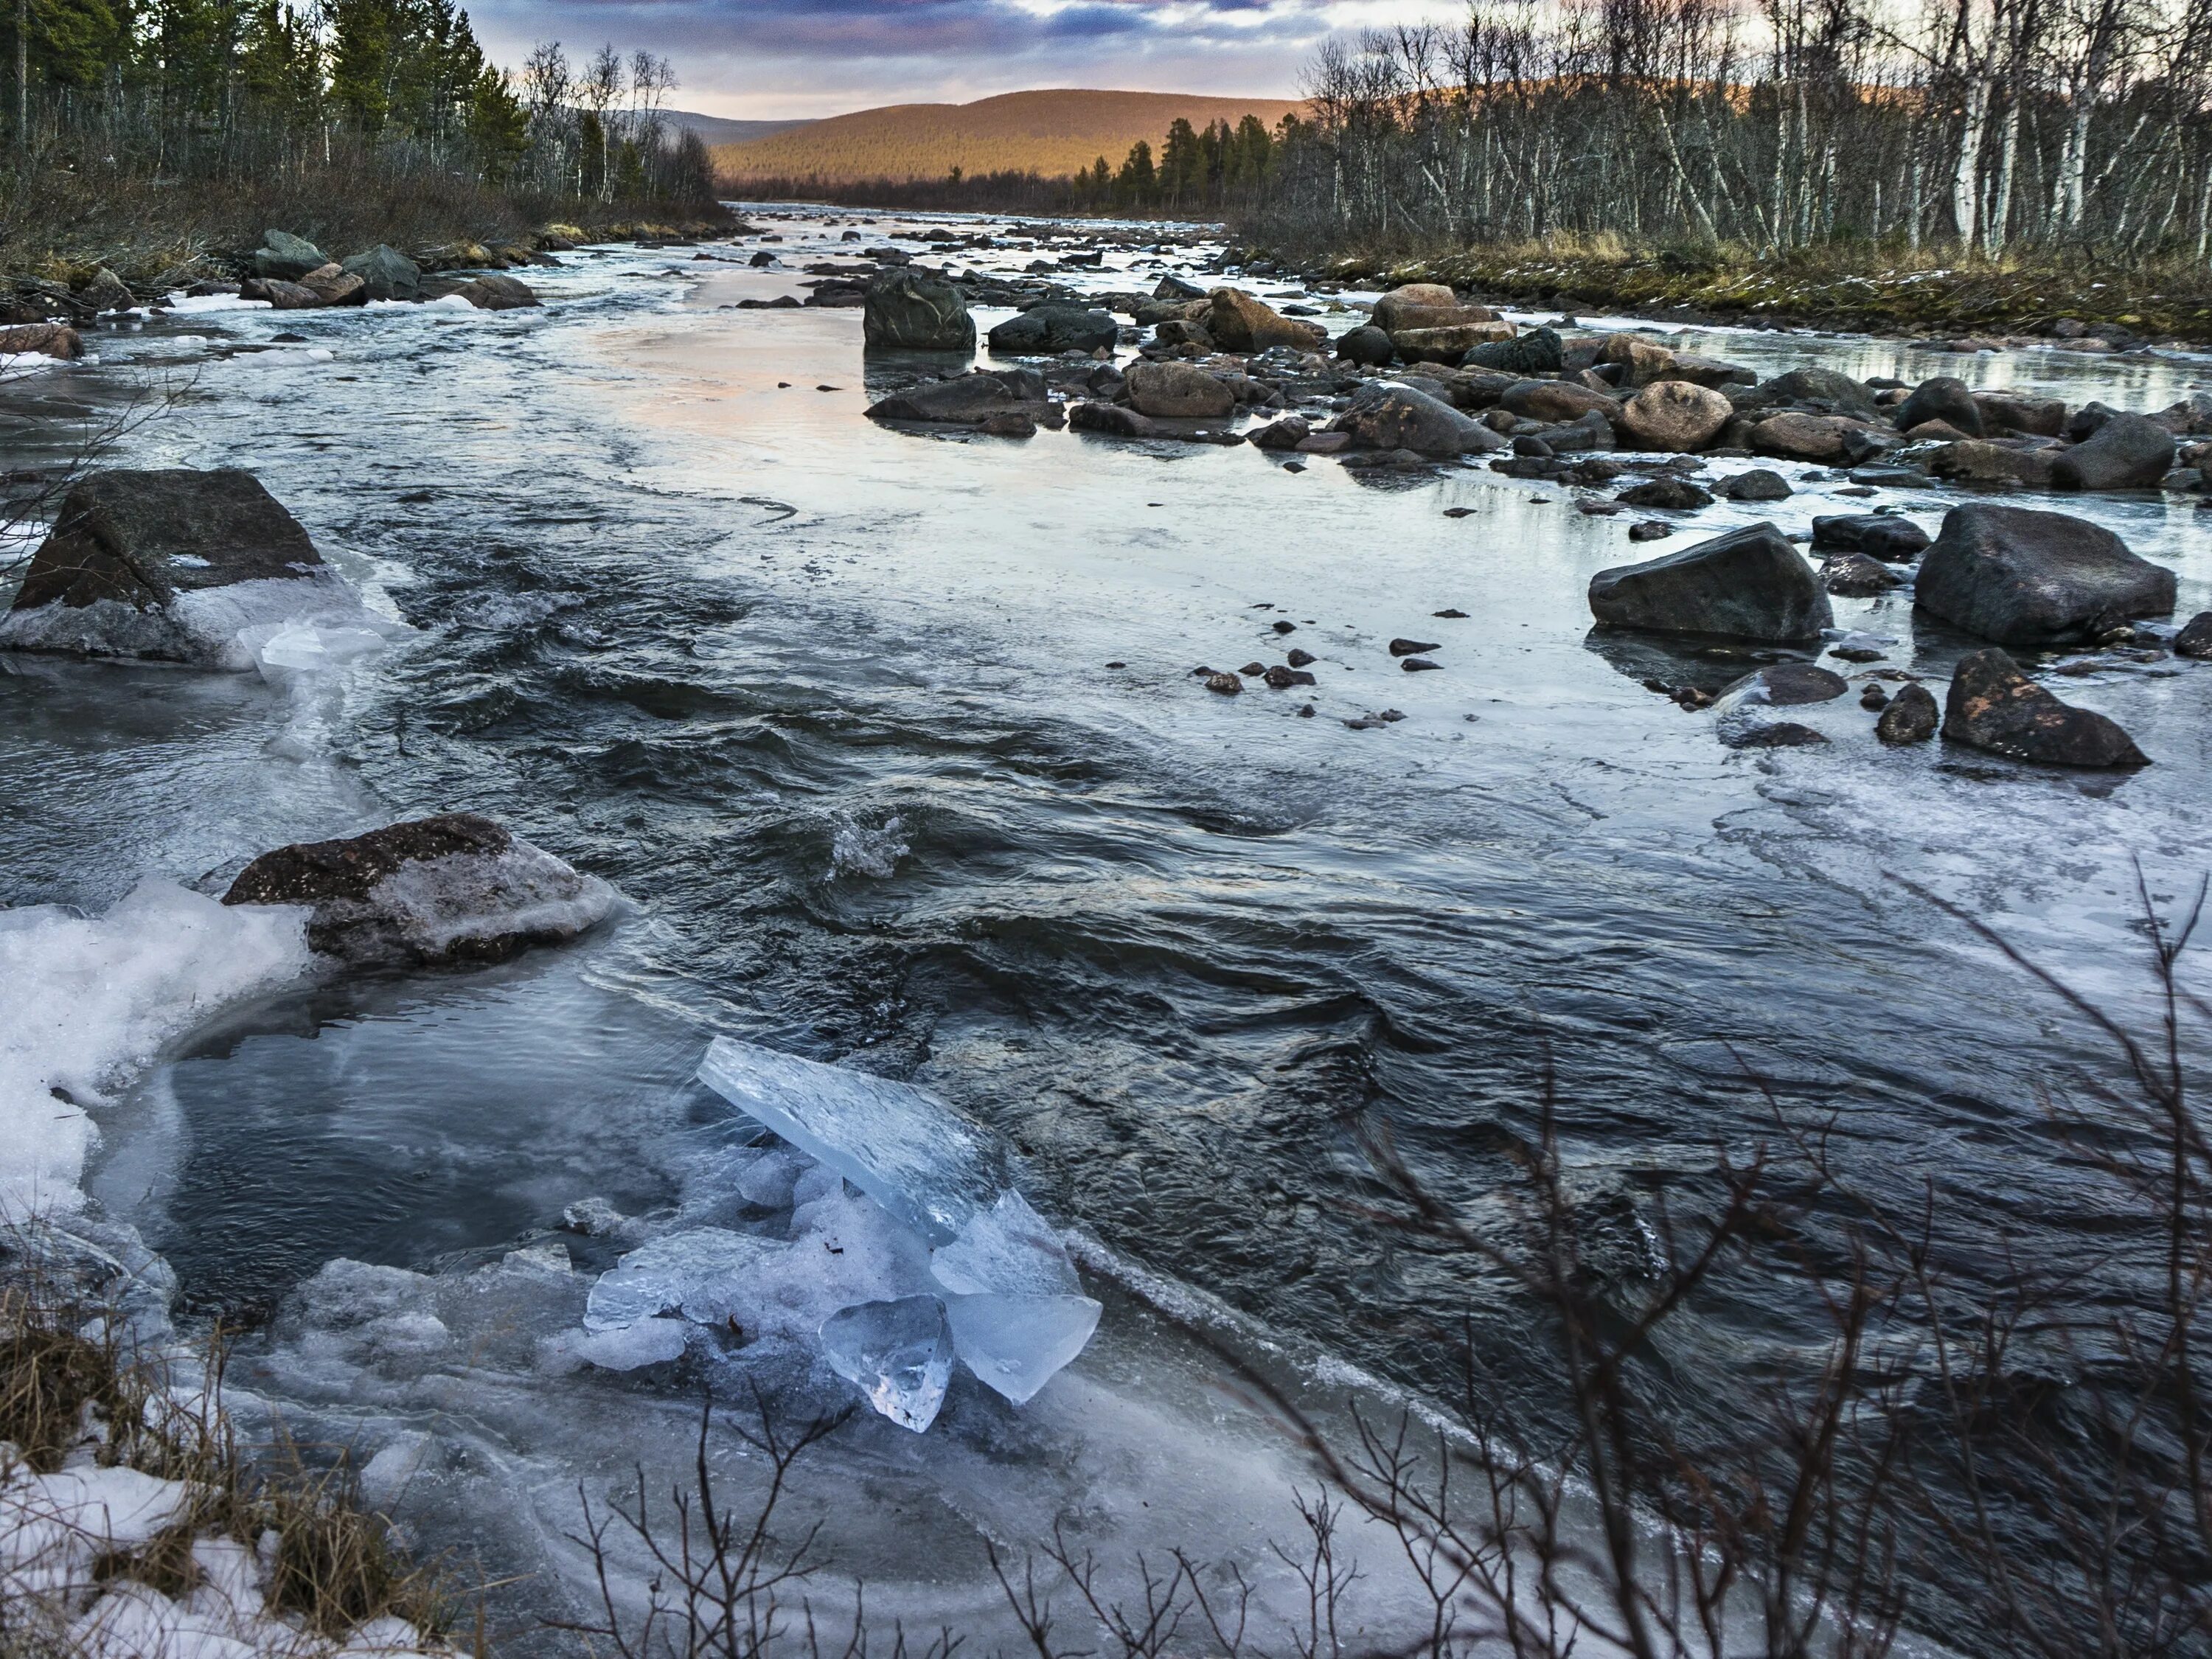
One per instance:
(1974, 302)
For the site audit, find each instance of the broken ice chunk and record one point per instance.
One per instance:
(627, 1348)
(1009, 1248)
(897, 1353)
(902, 1147)
(700, 1272)
(1015, 1343)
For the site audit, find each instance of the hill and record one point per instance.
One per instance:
(720, 130)
(1051, 132)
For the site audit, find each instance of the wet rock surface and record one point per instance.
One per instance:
(2018, 576)
(1994, 706)
(1748, 584)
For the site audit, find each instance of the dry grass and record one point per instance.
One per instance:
(63, 1391)
(1049, 133)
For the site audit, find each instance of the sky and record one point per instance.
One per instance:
(785, 60)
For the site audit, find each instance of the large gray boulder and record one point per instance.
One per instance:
(2128, 452)
(1944, 397)
(907, 310)
(169, 565)
(1994, 706)
(1052, 328)
(287, 257)
(440, 892)
(1749, 585)
(1385, 416)
(1173, 391)
(1824, 389)
(964, 400)
(1539, 351)
(387, 273)
(495, 292)
(2021, 577)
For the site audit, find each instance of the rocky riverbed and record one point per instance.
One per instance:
(1164, 788)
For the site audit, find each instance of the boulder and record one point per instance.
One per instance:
(1238, 322)
(1945, 398)
(1909, 717)
(963, 400)
(1854, 576)
(337, 286)
(1975, 461)
(1782, 734)
(1109, 419)
(2195, 639)
(494, 292)
(1555, 400)
(2009, 411)
(105, 292)
(1879, 535)
(45, 339)
(1674, 416)
(282, 295)
(287, 257)
(1178, 391)
(1640, 361)
(1287, 433)
(1390, 310)
(1757, 485)
(1825, 438)
(1539, 351)
(1406, 319)
(1176, 331)
(1820, 389)
(1994, 706)
(1052, 328)
(386, 273)
(2127, 452)
(1448, 344)
(438, 891)
(1667, 494)
(1172, 287)
(1749, 584)
(1368, 346)
(1710, 370)
(906, 310)
(2021, 577)
(1388, 416)
(169, 565)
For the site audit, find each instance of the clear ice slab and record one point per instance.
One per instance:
(699, 1272)
(899, 1354)
(903, 1146)
(1009, 1248)
(1017, 1344)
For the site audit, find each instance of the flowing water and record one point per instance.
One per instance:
(892, 745)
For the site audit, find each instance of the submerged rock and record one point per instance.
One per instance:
(2021, 577)
(963, 400)
(1176, 389)
(1854, 576)
(1994, 706)
(1888, 536)
(1748, 584)
(457, 888)
(1384, 416)
(1050, 328)
(495, 292)
(170, 565)
(1760, 484)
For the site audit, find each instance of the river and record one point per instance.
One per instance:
(892, 746)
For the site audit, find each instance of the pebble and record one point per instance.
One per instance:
(1286, 628)
(1300, 659)
(1418, 665)
(1228, 684)
(1649, 530)
(1456, 616)
(1402, 648)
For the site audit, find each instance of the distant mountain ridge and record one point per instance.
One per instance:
(1052, 131)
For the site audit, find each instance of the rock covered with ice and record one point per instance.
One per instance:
(457, 888)
(182, 566)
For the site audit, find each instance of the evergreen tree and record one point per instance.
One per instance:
(1135, 184)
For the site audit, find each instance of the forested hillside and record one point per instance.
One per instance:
(1052, 133)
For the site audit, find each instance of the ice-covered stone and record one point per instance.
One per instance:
(700, 1272)
(282, 649)
(1016, 1344)
(1009, 1248)
(899, 1354)
(649, 1342)
(904, 1147)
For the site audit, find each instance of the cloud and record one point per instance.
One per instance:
(771, 58)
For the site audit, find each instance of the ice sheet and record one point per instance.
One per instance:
(91, 1000)
(700, 1272)
(1008, 1248)
(903, 1146)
